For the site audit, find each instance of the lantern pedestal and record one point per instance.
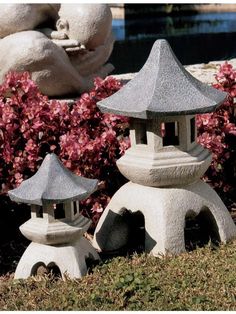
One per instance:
(58, 244)
(164, 211)
(70, 258)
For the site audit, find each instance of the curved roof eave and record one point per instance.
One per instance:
(53, 183)
(160, 90)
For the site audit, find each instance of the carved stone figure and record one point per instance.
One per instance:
(20, 17)
(63, 60)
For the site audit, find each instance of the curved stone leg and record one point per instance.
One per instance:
(70, 259)
(164, 210)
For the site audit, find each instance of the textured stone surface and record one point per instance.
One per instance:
(61, 61)
(70, 259)
(169, 167)
(164, 211)
(162, 87)
(42, 231)
(17, 17)
(152, 163)
(53, 183)
(204, 72)
(94, 21)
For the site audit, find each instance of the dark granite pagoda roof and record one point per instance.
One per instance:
(162, 87)
(53, 183)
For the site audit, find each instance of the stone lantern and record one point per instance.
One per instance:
(164, 163)
(56, 226)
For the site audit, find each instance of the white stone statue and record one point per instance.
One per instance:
(64, 60)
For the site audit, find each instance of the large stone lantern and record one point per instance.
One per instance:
(164, 163)
(56, 226)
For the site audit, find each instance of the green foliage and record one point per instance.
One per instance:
(204, 279)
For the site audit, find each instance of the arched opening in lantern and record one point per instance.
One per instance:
(200, 229)
(41, 269)
(136, 227)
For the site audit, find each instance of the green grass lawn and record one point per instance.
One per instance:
(204, 279)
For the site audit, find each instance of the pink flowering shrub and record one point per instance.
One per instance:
(87, 141)
(217, 132)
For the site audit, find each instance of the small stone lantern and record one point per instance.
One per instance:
(164, 163)
(56, 227)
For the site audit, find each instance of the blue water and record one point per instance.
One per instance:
(193, 24)
(194, 38)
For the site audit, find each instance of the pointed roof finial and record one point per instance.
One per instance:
(162, 87)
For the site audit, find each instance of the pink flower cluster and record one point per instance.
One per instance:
(226, 79)
(217, 132)
(87, 141)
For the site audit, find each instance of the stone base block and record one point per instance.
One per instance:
(70, 259)
(165, 211)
